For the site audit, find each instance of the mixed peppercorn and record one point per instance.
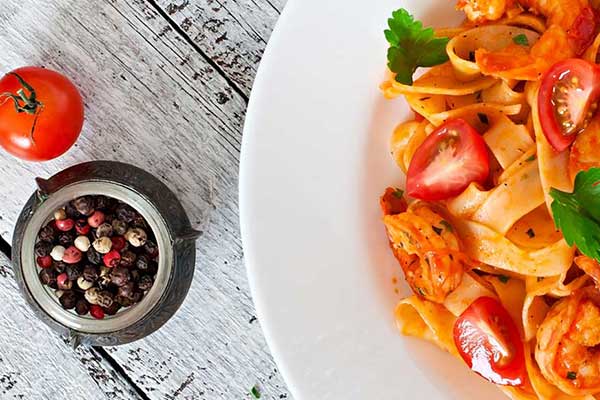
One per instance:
(98, 254)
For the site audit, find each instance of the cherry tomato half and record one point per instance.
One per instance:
(41, 113)
(450, 158)
(488, 340)
(567, 100)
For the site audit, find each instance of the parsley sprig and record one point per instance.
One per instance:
(577, 214)
(412, 46)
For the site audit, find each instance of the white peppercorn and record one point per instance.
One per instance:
(58, 253)
(91, 295)
(137, 237)
(102, 245)
(82, 243)
(60, 214)
(84, 284)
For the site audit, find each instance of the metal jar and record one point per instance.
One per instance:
(165, 215)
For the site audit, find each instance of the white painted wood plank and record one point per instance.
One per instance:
(152, 100)
(233, 33)
(36, 364)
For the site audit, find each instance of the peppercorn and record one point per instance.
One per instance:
(137, 237)
(90, 273)
(102, 203)
(65, 225)
(82, 227)
(142, 263)
(152, 268)
(93, 256)
(109, 218)
(145, 282)
(68, 300)
(128, 258)
(118, 243)
(82, 243)
(47, 234)
(139, 222)
(63, 282)
(126, 290)
(72, 255)
(47, 276)
(60, 267)
(57, 253)
(119, 227)
(151, 249)
(43, 249)
(73, 272)
(112, 258)
(103, 281)
(102, 245)
(72, 211)
(60, 214)
(137, 296)
(119, 276)
(123, 301)
(96, 311)
(113, 309)
(125, 213)
(96, 219)
(104, 229)
(105, 298)
(44, 262)
(84, 284)
(135, 275)
(84, 205)
(66, 238)
(91, 295)
(82, 307)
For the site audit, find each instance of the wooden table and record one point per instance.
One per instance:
(165, 83)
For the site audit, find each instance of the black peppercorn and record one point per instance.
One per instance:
(123, 301)
(105, 299)
(128, 258)
(82, 307)
(113, 309)
(142, 263)
(135, 275)
(59, 266)
(119, 276)
(137, 296)
(126, 290)
(151, 249)
(47, 234)
(90, 273)
(47, 276)
(145, 282)
(42, 249)
(119, 227)
(66, 239)
(125, 213)
(68, 300)
(104, 229)
(84, 205)
(72, 211)
(93, 256)
(73, 271)
(101, 203)
(152, 268)
(139, 222)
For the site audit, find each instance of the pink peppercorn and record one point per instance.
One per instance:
(62, 279)
(65, 225)
(96, 311)
(96, 219)
(118, 243)
(44, 262)
(82, 227)
(72, 255)
(112, 259)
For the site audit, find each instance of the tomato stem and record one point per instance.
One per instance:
(25, 102)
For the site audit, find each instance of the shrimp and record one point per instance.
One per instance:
(428, 251)
(571, 29)
(590, 266)
(567, 341)
(584, 152)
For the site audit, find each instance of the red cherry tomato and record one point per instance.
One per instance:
(488, 340)
(567, 100)
(450, 158)
(49, 116)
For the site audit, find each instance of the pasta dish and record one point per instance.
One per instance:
(498, 229)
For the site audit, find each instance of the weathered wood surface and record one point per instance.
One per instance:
(166, 91)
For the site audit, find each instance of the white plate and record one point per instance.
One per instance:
(315, 160)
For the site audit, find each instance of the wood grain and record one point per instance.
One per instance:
(153, 100)
(36, 364)
(233, 33)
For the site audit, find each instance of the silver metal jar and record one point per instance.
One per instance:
(167, 219)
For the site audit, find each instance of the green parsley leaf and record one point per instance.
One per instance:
(255, 392)
(571, 375)
(412, 46)
(577, 214)
(503, 278)
(398, 193)
(446, 225)
(521, 39)
(530, 158)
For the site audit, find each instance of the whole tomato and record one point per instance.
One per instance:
(41, 113)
